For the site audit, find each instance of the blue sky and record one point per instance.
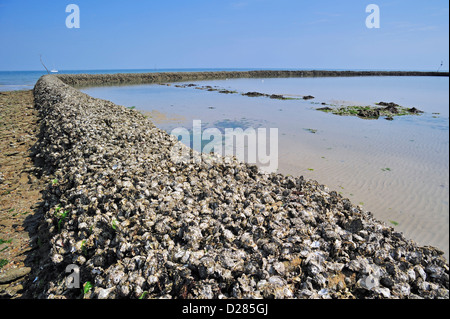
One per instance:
(142, 34)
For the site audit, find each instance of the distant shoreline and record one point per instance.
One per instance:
(145, 78)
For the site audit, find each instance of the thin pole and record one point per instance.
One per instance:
(40, 56)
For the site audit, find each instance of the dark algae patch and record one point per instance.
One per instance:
(383, 109)
(311, 130)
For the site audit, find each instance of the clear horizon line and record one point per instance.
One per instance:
(237, 68)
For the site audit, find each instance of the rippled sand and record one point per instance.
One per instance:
(409, 193)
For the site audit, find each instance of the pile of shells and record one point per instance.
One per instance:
(164, 77)
(138, 224)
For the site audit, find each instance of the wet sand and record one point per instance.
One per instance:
(161, 118)
(414, 203)
(20, 191)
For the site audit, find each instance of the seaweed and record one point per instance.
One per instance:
(388, 110)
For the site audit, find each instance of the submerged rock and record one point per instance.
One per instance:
(373, 114)
(388, 105)
(389, 110)
(414, 111)
(254, 94)
(277, 97)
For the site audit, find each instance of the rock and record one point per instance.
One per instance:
(369, 113)
(355, 225)
(385, 292)
(57, 258)
(388, 105)
(308, 97)
(420, 272)
(254, 94)
(105, 293)
(277, 97)
(414, 111)
(227, 92)
(387, 282)
(10, 291)
(13, 274)
(369, 282)
(391, 108)
(279, 268)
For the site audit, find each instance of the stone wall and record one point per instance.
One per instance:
(140, 78)
(138, 225)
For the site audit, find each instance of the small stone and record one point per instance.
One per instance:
(355, 225)
(105, 293)
(13, 274)
(385, 292)
(369, 282)
(387, 282)
(279, 268)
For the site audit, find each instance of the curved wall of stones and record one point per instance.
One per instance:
(140, 78)
(137, 224)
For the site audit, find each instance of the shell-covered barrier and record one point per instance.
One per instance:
(142, 78)
(137, 224)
